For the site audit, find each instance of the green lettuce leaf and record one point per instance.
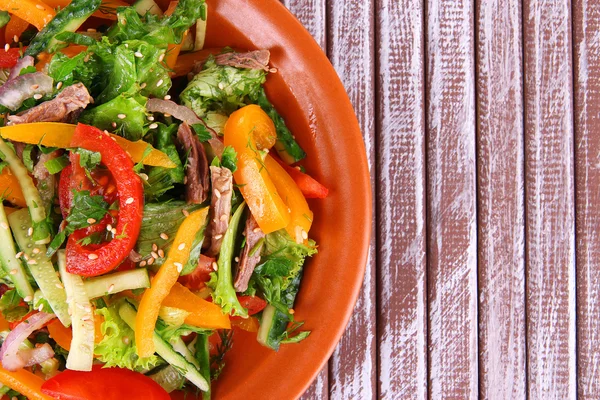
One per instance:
(107, 116)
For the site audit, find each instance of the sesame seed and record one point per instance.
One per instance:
(31, 262)
(59, 85)
(91, 220)
(153, 126)
(150, 118)
(142, 263)
(217, 194)
(13, 271)
(215, 266)
(92, 256)
(185, 212)
(179, 266)
(33, 87)
(291, 311)
(113, 124)
(126, 45)
(184, 180)
(123, 22)
(143, 85)
(167, 97)
(138, 54)
(37, 96)
(237, 259)
(27, 258)
(35, 251)
(129, 200)
(113, 231)
(161, 57)
(161, 253)
(91, 30)
(160, 82)
(19, 254)
(4, 225)
(126, 340)
(181, 246)
(144, 176)
(86, 58)
(121, 116)
(111, 288)
(164, 236)
(154, 254)
(154, 247)
(6, 47)
(59, 285)
(16, 38)
(217, 237)
(85, 318)
(304, 235)
(256, 230)
(109, 227)
(39, 6)
(167, 115)
(150, 261)
(30, 231)
(224, 217)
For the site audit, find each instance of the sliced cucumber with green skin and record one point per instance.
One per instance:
(203, 358)
(69, 19)
(180, 347)
(163, 349)
(41, 232)
(117, 282)
(13, 267)
(81, 356)
(143, 7)
(40, 266)
(272, 324)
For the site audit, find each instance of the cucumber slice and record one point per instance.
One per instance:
(272, 323)
(117, 282)
(40, 266)
(34, 202)
(13, 267)
(163, 349)
(81, 356)
(147, 6)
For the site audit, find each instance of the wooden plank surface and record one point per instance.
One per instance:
(451, 199)
(586, 45)
(501, 225)
(350, 28)
(549, 200)
(402, 286)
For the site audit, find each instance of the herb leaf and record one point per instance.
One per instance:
(85, 207)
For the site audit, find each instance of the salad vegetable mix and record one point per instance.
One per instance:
(151, 201)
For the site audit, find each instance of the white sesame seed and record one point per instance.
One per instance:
(16, 38)
(167, 115)
(111, 288)
(181, 246)
(33, 87)
(27, 258)
(59, 285)
(154, 254)
(86, 58)
(37, 96)
(109, 227)
(150, 261)
(185, 212)
(113, 124)
(31, 262)
(138, 54)
(160, 82)
(143, 85)
(129, 200)
(142, 263)
(154, 247)
(126, 340)
(179, 266)
(6, 47)
(164, 236)
(153, 126)
(91, 221)
(144, 176)
(237, 259)
(35, 250)
(215, 266)
(30, 231)
(19, 254)
(92, 256)
(91, 30)
(256, 230)
(161, 57)
(59, 85)
(13, 271)
(4, 225)
(126, 45)
(113, 231)
(304, 235)
(217, 237)
(217, 194)
(167, 97)
(291, 311)
(161, 253)
(39, 6)
(224, 217)
(150, 118)
(121, 116)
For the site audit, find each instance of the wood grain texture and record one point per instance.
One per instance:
(549, 200)
(586, 44)
(312, 15)
(501, 225)
(401, 223)
(452, 222)
(350, 28)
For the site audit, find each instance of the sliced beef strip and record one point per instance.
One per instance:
(222, 189)
(196, 172)
(247, 261)
(63, 108)
(257, 59)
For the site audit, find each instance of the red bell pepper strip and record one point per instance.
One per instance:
(253, 304)
(310, 188)
(8, 59)
(82, 260)
(197, 279)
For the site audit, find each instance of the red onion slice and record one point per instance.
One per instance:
(12, 358)
(24, 62)
(21, 88)
(36, 355)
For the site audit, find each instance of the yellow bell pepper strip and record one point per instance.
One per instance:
(301, 216)
(203, 314)
(108, 9)
(163, 281)
(24, 382)
(10, 188)
(15, 28)
(57, 134)
(33, 11)
(255, 184)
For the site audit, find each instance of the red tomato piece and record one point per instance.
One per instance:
(197, 279)
(310, 188)
(8, 59)
(254, 304)
(105, 383)
(92, 262)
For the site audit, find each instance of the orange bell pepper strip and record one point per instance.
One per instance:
(107, 10)
(56, 134)
(249, 324)
(203, 314)
(60, 334)
(187, 61)
(24, 382)
(69, 51)
(35, 12)
(4, 325)
(15, 28)
(163, 281)
(257, 188)
(301, 216)
(10, 189)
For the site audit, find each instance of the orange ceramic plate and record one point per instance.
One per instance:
(309, 95)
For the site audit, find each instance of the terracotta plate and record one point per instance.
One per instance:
(311, 98)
